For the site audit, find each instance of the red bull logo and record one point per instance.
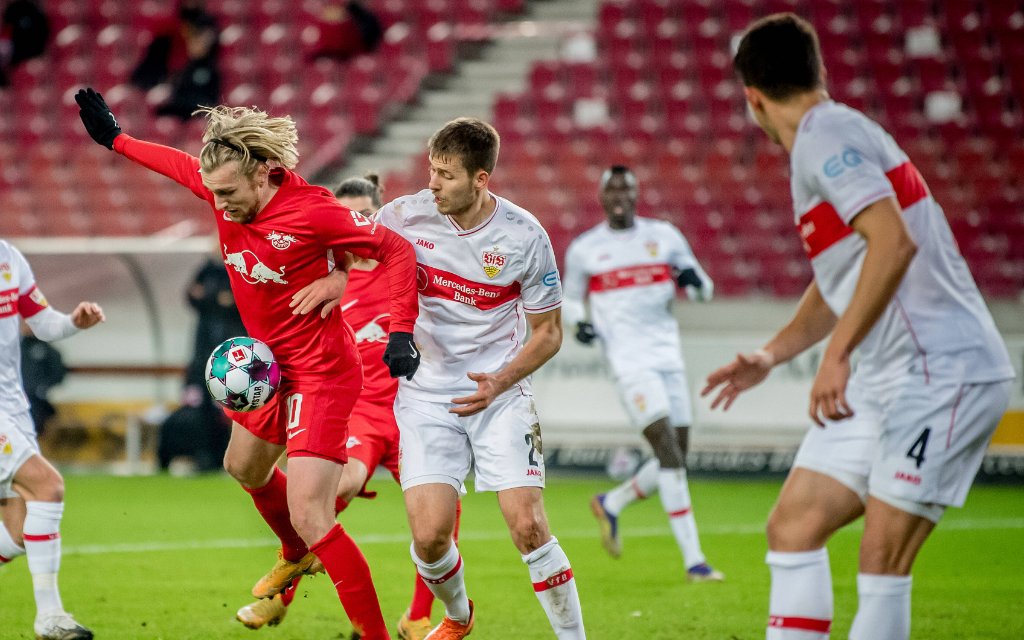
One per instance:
(252, 269)
(280, 240)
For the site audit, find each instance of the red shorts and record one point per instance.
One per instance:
(309, 417)
(373, 439)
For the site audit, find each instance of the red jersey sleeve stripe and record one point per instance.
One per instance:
(821, 226)
(31, 303)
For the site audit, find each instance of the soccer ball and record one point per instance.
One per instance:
(242, 374)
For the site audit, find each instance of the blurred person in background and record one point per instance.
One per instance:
(277, 232)
(373, 433)
(198, 428)
(31, 489)
(183, 53)
(898, 438)
(627, 270)
(42, 368)
(346, 32)
(24, 32)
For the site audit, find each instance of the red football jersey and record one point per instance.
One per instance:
(365, 304)
(285, 248)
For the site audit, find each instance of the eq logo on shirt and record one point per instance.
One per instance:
(839, 163)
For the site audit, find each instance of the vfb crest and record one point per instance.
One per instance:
(493, 262)
(652, 248)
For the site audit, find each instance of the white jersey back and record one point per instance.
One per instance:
(475, 286)
(19, 297)
(937, 322)
(627, 275)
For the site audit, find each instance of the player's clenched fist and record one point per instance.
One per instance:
(97, 117)
(87, 314)
(401, 355)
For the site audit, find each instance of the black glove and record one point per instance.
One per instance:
(99, 121)
(585, 333)
(401, 355)
(688, 278)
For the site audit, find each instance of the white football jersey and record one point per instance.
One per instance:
(19, 298)
(841, 163)
(475, 286)
(627, 276)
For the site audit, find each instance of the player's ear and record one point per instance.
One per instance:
(481, 179)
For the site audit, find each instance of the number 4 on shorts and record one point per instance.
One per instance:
(916, 451)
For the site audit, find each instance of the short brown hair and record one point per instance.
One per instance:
(471, 140)
(780, 55)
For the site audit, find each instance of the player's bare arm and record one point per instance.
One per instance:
(544, 341)
(889, 252)
(811, 323)
(87, 315)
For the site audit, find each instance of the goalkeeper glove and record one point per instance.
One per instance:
(99, 121)
(401, 355)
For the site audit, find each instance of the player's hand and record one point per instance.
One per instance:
(87, 314)
(585, 333)
(401, 355)
(97, 117)
(746, 371)
(326, 290)
(828, 393)
(688, 278)
(488, 387)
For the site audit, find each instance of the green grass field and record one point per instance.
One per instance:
(172, 558)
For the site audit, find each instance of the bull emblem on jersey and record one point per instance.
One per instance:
(280, 240)
(493, 262)
(257, 273)
(372, 332)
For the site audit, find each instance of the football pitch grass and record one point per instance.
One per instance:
(174, 558)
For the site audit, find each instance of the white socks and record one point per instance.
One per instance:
(800, 605)
(675, 498)
(445, 579)
(9, 550)
(556, 589)
(42, 547)
(643, 483)
(883, 611)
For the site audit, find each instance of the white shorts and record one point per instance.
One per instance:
(502, 443)
(649, 396)
(909, 442)
(18, 443)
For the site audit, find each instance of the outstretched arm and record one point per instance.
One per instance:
(544, 341)
(103, 127)
(812, 321)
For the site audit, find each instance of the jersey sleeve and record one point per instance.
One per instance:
(574, 285)
(541, 286)
(176, 165)
(681, 258)
(843, 168)
(345, 230)
(30, 299)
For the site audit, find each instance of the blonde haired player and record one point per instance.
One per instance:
(278, 234)
(901, 437)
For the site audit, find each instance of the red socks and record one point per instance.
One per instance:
(271, 501)
(350, 574)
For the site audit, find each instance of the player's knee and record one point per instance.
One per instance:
(37, 480)
(794, 532)
(529, 533)
(244, 473)
(431, 546)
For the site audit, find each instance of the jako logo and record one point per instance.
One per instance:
(837, 164)
(423, 243)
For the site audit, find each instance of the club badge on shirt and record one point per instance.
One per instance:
(493, 262)
(652, 248)
(280, 240)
